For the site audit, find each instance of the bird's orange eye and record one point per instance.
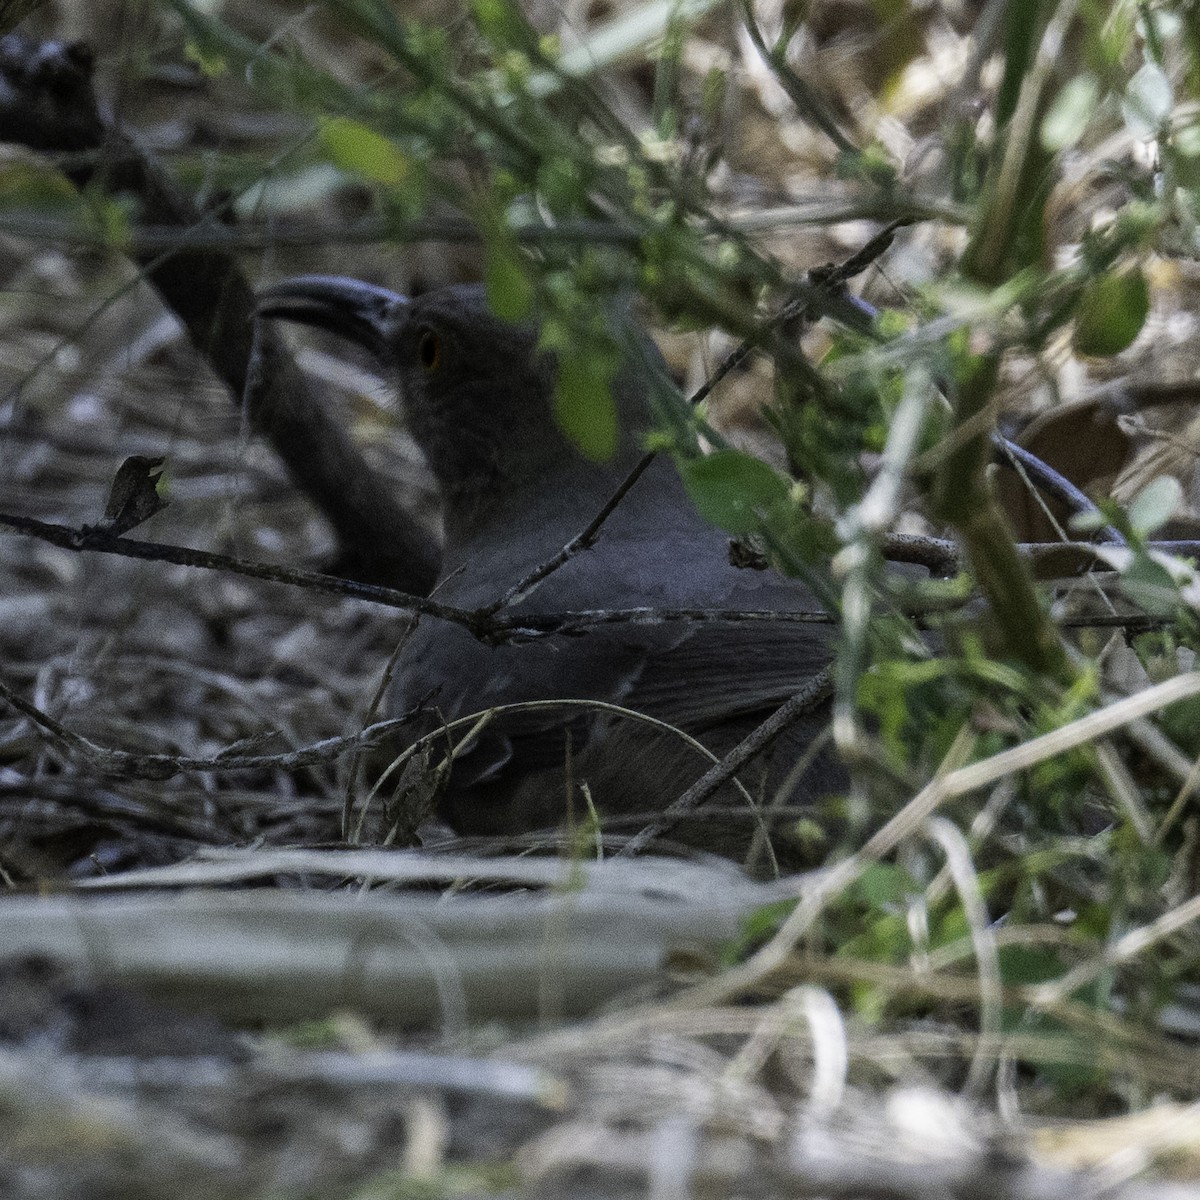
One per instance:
(430, 349)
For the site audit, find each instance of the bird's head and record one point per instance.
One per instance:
(476, 390)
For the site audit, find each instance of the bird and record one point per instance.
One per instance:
(477, 394)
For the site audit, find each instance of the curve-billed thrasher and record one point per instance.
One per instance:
(478, 397)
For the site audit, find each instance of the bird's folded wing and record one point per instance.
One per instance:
(721, 672)
(696, 677)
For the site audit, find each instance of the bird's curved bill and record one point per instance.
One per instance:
(362, 312)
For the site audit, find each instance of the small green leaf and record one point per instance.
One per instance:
(1155, 505)
(884, 884)
(1088, 522)
(712, 94)
(761, 924)
(1112, 312)
(731, 489)
(36, 185)
(212, 64)
(583, 401)
(1186, 139)
(359, 150)
(509, 292)
(1069, 115)
(113, 219)
(501, 22)
(1150, 586)
(1148, 101)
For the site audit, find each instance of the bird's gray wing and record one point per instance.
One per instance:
(458, 676)
(695, 676)
(722, 672)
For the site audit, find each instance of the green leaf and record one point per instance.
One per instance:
(884, 884)
(1148, 101)
(509, 292)
(583, 401)
(1149, 585)
(731, 489)
(212, 64)
(1089, 522)
(760, 925)
(1112, 312)
(1155, 505)
(112, 218)
(1073, 108)
(502, 23)
(38, 186)
(712, 94)
(1186, 139)
(361, 151)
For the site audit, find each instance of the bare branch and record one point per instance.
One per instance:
(162, 766)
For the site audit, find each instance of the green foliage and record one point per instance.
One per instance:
(35, 187)
(583, 401)
(358, 149)
(733, 490)
(507, 271)
(1070, 113)
(1112, 310)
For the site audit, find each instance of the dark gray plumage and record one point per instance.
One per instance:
(477, 396)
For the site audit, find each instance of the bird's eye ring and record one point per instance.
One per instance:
(429, 347)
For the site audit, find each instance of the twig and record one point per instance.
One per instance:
(801, 94)
(481, 623)
(89, 538)
(490, 626)
(163, 766)
(940, 556)
(1049, 480)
